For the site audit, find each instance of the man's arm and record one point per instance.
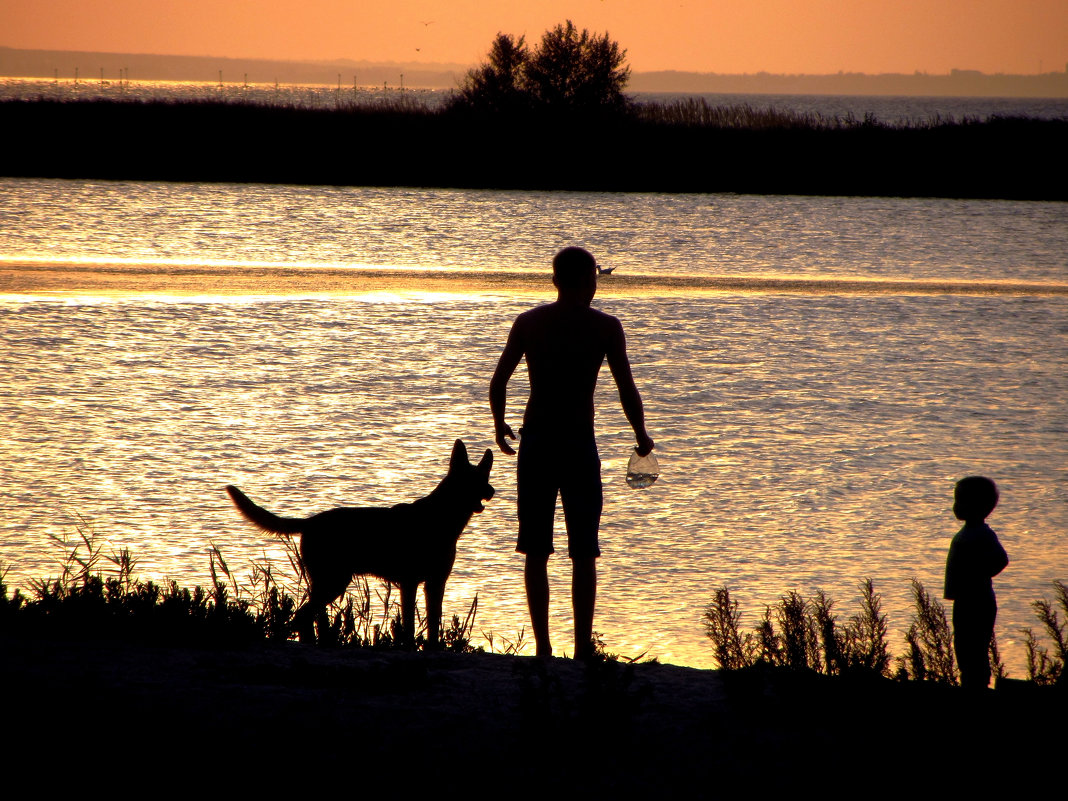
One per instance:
(498, 393)
(629, 397)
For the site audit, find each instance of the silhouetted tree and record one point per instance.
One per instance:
(497, 85)
(577, 69)
(569, 70)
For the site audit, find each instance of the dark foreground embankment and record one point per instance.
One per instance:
(119, 713)
(223, 142)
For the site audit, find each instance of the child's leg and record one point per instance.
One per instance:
(973, 627)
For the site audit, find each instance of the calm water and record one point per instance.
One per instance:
(160, 341)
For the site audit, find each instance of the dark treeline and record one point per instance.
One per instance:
(686, 146)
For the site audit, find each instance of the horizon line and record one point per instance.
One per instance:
(445, 66)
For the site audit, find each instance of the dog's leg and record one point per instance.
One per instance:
(313, 613)
(408, 591)
(307, 617)
(433, 592)
(304, 623)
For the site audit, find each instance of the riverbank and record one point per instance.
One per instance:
(680, 148)
(450, 723)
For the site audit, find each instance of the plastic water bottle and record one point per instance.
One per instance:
(642, 471)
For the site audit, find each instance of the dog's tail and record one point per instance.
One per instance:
(261, 517)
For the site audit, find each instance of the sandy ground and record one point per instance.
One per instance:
(278, 713)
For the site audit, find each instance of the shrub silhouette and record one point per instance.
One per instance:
(578, 70)
(1043, 666)
(930, 655)
(571, 70)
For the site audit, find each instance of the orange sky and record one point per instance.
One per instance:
(729, 36)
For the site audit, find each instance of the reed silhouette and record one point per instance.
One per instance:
(674, 147)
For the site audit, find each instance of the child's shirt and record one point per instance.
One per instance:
(975, 557)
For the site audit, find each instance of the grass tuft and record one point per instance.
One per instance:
(509, 647)
(930, 641)
(802, 635)
(1045, 666)
(722, 618)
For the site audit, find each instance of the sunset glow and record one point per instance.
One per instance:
(779, 36)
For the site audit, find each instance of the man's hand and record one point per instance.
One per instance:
(645, 443)
(504, 433)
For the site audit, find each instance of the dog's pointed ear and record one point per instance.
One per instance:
(459, 454)
(487, 461)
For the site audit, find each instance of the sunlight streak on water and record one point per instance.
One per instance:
(669, 235)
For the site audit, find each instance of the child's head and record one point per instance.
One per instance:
(974, 498)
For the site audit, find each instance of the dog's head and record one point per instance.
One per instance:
(471, 481)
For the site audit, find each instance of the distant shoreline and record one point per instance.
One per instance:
(678, 148)
(25, 63)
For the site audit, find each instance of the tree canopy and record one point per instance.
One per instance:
(569, 70)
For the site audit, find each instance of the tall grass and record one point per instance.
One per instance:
(805, 634)
(722, 621)
(395, 139)
(97, 593)
(689, 112)
(699, 113)
(929, 640)
(1045, 666)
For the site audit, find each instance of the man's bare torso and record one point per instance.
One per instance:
(564, 345)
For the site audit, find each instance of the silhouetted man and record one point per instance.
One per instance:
(565, 343)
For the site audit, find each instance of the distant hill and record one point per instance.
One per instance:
(136, 66)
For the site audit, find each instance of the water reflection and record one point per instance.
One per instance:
(417, 229)
(805, 440)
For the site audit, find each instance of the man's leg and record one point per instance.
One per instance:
(536, 577)
(536, 500)
(582, 498)
(583, 601)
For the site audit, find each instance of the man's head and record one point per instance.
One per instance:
(974, 498)
(575, 272)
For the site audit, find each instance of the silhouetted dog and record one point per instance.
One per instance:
(408, 544)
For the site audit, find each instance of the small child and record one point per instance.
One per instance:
(975, 557)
